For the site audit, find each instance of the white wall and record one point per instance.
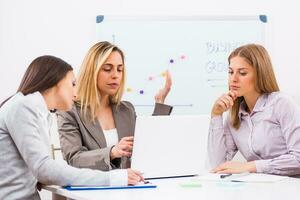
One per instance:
(66, 28)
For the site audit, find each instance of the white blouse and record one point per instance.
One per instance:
(111, 137)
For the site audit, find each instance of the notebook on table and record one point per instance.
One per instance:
(243, 177)
(138, 186)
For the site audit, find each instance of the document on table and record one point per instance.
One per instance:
(243, 177)
(139, 186)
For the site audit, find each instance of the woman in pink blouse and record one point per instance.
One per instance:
(262, 123)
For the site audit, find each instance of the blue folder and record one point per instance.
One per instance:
(110, 187)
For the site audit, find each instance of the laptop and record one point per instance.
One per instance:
(170, 146)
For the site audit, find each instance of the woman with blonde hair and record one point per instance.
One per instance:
(263, 123)
(98, 132)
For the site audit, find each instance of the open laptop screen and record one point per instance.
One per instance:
(170, 146)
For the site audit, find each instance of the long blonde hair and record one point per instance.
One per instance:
(265, 80)
(88, 95)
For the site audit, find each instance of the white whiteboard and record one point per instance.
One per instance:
(194, 49)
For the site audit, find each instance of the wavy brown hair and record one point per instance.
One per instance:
(258, 57)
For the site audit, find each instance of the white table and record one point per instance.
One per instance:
(172, 189)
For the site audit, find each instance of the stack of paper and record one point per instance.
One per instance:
(244, 177)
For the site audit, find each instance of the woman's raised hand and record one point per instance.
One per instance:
(163, 93)
(223, 103)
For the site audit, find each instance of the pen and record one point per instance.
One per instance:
(225, 175)
(233, 176)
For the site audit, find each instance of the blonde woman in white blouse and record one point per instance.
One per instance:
(98, 131)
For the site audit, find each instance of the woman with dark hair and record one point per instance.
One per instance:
(48, 84)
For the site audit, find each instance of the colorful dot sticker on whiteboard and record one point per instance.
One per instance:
(151, 78)
(182, 57)
(155, 77)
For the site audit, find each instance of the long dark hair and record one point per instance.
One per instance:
(43, 73)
